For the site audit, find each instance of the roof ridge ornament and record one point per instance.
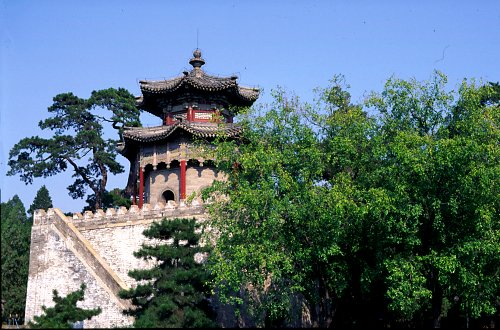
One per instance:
(197, 61)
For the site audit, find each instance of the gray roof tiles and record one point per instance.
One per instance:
(157, 133)
(199, 80)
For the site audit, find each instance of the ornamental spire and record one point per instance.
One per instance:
(197, 61)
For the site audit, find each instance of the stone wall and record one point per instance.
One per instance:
(197, 177)
(95, 249)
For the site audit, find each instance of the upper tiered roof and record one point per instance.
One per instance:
(194, 82)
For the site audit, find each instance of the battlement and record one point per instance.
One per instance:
(122, 215)
(96, 248)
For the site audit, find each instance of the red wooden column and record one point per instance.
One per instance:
(168, 119)
(183, 180)
(141, 187)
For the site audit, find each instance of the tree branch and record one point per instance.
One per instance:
(82, 175)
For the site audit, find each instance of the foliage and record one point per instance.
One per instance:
(77, 141)
(111, 199)
(280, 225)
(174, 292)
(449, 174)
(42, 201)
(15, 247)
(65, 312)
(394, 213)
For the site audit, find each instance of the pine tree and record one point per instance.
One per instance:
(15, 247)
(77, 142)
(174, 292)
(65, 313)
(42, 201)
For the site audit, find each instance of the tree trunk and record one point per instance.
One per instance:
(437, 299)
(102, 185)
(131, 188)
(96, 190)
(98, 201)
(321, 313)
(325, 305)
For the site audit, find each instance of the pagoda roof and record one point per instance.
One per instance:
(196, 80)
(203, 82)
(158, 133)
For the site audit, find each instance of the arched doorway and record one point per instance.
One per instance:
(168, 195)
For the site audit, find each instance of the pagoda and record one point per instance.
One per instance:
(172, 161)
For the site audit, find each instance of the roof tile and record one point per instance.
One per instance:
(157, 133)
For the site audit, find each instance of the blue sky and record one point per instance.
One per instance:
(51, 47)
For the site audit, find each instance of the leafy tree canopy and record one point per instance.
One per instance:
(42, 201)
(388, 214)
(111, 199)
(77, 142)
(15, 247)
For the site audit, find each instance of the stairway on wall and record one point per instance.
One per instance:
(93, 248)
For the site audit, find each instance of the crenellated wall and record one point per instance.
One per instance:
(95, 248)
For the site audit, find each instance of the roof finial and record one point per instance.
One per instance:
(197, 61)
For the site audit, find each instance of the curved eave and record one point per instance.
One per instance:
(139, 101)
(158, 133)
(248, 94)
(200, 82)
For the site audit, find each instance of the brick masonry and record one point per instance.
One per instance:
(95, 249)
(197, 178)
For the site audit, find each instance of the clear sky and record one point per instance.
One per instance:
(51, 47)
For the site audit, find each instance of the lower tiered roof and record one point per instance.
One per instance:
(203, 130)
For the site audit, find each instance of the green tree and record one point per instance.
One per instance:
(279, 229)
(390, 216)
(492, 94)
(42, 201)
(114, 198)
(78, 141)
(442, 165)
(174, 292)
(15, 247)
(65, 312)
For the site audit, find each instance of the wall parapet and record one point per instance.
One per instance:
(123, 215)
